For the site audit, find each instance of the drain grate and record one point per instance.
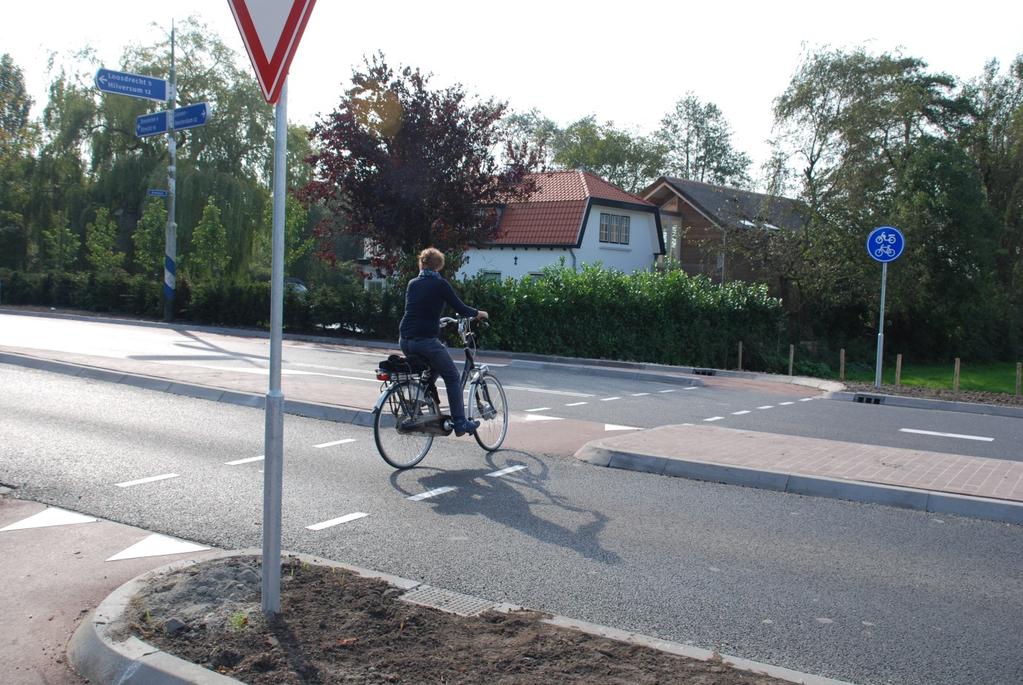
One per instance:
(704, 372)
(869, 399)
(445, 600)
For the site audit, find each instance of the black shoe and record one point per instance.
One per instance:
(463, 426)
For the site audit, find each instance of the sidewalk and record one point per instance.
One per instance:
(913, 479)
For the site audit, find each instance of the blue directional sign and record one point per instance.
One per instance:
(885, 244)
(156, 192)
(151, 124)
(184, 118)
(134, 85)
(191, 116)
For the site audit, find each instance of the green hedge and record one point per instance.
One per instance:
(670, 318)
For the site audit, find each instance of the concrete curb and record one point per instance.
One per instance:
(1004, 511)
(99, 656)
(924, 403)
(339, 414)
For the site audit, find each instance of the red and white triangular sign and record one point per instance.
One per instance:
(271, 30)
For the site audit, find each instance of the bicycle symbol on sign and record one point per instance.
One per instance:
(885, 244)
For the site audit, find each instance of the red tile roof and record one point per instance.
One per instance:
(553, 213)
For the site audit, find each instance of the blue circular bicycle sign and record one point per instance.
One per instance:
(885, 244)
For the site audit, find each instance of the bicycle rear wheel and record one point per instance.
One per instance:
(490, 406)
(404, 402)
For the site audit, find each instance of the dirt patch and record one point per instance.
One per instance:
(337, 627)
(975, 396)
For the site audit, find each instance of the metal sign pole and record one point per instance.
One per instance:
(273, 468)
(880, 327)
(170, 267)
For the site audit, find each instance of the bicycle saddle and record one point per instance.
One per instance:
(399, 364)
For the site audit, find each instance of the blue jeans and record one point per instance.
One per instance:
(433, 351)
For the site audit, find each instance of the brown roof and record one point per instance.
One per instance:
(553, 213)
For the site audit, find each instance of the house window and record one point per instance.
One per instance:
(535, 275)
(491, 276)
(614, 228)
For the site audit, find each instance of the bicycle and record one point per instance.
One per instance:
(406, 416)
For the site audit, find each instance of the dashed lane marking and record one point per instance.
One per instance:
(431, 493)
(979, 438)
(538, 409)
(609, 399)
(565, 393)
(692, 387)
(664, 391)
(639, 394)
(576, 404)
(338, 521)
(141, 481)
(334, 444)
(740, 413)
(714, 418)
(785, 404)
(808, 399)
(505, 472)
(247, 460)
(766, 406)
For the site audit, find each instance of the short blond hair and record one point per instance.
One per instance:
(431, 258)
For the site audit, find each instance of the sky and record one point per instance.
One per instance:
(622, 62)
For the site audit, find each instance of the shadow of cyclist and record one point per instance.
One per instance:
(503, 500)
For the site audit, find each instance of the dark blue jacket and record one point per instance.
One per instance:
(424, 301)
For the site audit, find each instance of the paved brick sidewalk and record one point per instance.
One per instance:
(665, 449)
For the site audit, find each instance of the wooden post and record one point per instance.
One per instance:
(740, 355)
(898, 370)
(841, 365)
(792, 357)
(955, 377)
(1019, 378)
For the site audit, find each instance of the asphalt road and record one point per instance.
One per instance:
(858, 592)
(587, 401)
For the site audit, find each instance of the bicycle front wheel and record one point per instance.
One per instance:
(490, 406)
(405, 402)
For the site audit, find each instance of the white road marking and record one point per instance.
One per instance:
(766, 406)
(664, 391)
(334, 444)
(808, 399)
(50, 516)
(284, 372)
(575, 404)
(609, 399)
(740, 413)
(785, 404)
(538, 409)
(505, 472)
(151, 479)
(715, 418)
(640, 394)
(548, 392)
(979, 438)
(692, 387)
(431, 493)
(157, 545)
(541, 417)
(249, 460)
(334, 522)
(615, 427)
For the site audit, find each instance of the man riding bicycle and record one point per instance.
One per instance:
(419, 330)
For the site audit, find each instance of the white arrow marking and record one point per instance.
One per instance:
(157, 546)
(51, 516)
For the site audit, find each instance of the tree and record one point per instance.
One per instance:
(207, 255)
(626, 160)
(698, 145)
(100, 239)
(407, 166)
(61, 243)
(16, 140)
(299, 240)
(150, 237)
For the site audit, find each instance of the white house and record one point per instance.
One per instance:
(575, 216)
